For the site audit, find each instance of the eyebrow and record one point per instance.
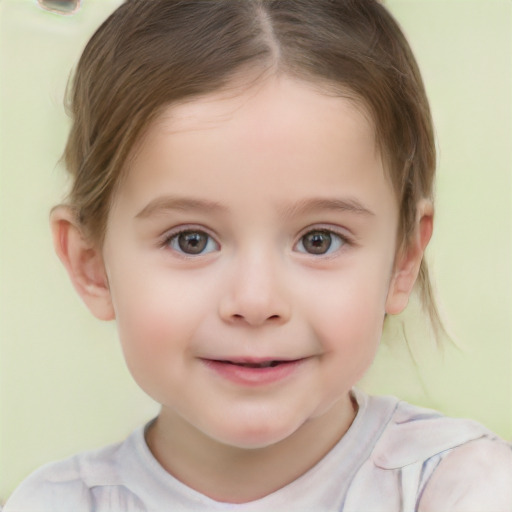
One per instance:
(305, 206)
(163, 204)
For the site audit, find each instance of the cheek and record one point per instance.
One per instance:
(155, 318)
(349, 314)
(155, 334)
(145, 334)
(352, 331)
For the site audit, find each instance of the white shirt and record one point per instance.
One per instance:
(382, 464)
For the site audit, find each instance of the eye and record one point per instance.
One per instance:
(320, 241)
(192, 242)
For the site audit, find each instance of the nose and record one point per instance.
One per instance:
(255, 293)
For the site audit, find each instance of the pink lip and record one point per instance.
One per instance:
(243, 372)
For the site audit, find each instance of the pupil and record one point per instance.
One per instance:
(192, 243)
(317, 242)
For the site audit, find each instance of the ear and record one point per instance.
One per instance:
(408, 261)
(83, 261)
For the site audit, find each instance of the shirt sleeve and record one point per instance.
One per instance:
(49, 489)
(474, 477)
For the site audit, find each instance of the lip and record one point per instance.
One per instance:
(252, 372)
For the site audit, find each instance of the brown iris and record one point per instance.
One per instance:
(192, 242)
(317, 242)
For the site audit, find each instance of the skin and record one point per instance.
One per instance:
(251, 173)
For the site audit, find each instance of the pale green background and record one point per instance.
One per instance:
(64, 387)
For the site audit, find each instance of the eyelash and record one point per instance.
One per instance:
(171, 240)
(340, 239)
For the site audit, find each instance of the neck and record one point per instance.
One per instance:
(237, 475)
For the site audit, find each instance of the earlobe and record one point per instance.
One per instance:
(408, 263)
(83, 261)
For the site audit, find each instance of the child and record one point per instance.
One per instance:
(252, 195)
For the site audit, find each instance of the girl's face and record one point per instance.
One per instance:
(250, 259)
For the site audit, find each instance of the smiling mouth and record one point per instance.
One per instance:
(255, 372)
(264, 364)
(256, 365)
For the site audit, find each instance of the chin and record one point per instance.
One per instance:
(256, 435)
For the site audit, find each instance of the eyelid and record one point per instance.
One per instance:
(348, 239)
(331, 228)
(165, 238)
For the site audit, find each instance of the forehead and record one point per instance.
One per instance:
(278, 112)
(270, 103)
(277, 134)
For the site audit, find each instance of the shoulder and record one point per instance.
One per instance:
(50, 488)
(449, 463)
(55, 486)
(474, 476)
(416, 434)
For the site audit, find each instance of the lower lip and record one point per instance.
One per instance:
(248, 376)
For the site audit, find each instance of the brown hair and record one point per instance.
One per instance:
(152, 53)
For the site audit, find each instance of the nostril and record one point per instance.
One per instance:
(253, 320)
